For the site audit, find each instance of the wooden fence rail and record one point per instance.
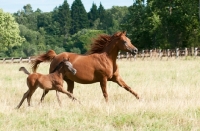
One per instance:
(16, 60)
(160, 54)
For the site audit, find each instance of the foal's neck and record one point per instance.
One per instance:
(59, 73)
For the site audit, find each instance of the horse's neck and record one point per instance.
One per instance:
(112, 52)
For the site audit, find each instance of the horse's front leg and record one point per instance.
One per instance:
(70, 85)
(120, 82)
(103, 84)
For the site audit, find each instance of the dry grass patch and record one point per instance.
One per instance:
(169, 93)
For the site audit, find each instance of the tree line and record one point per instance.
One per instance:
(149, 24)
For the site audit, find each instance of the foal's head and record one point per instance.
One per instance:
(65, 66)
(69, 66)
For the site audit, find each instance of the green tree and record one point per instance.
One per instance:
(80, 42)
(101, 14)
(27, 17)
(114, 18)
(9, 34)
(136, 23)
(93, 15)
(64, 18)
(79, 17)
(179, 22)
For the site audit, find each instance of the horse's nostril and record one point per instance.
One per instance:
(135, 50)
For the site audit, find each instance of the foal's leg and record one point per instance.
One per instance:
(23, 98)
(58, 98)
(120, 82)
(43, 95)
(32, 90)
(61, 89)
(104, 89)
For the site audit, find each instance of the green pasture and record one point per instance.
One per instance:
(169, 91)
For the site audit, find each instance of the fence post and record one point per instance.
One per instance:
(29, 59)
(192, 51)
(160, 54)
(142, 54)
(4, 60)
(195, 52)
(135, 57)
(128, 55)
(20, 60)
(186, 52)
(12, 60)
(150, 53)
(168, 54)
(177, 53)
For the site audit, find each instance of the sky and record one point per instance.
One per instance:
(12, 6)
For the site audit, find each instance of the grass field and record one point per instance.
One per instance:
(169, 91)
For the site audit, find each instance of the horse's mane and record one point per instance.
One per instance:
(101, 42)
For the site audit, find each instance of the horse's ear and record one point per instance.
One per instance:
(65, 59)
(124, 32)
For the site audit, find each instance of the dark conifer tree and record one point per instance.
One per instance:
(101, 14)
(79, 17)
(64, 18)
(93, 14)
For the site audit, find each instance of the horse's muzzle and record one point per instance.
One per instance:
(134, 51)
(74, 71)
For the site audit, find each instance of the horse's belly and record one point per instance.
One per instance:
(84, 80)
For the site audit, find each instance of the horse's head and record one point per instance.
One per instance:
(125, 44)
(69, 66)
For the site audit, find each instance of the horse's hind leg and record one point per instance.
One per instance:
(23, 98)
(70, 85)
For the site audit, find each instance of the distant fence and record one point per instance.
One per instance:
(16, 60)
(160, 54)
(143, 54)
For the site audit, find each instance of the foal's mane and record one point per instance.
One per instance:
(57, 67)
(101, 42)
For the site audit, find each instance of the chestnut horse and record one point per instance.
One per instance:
(52, 81)
(98, 65)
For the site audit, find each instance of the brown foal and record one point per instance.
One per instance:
(52, 81)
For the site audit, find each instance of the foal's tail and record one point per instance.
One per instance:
(42, 58)
(24, 70)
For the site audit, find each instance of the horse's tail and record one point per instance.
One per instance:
(41, 58)
(24, 70)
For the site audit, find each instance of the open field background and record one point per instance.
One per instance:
(169, 90)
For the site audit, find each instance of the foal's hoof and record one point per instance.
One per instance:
(16, 107)
(137, 97)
